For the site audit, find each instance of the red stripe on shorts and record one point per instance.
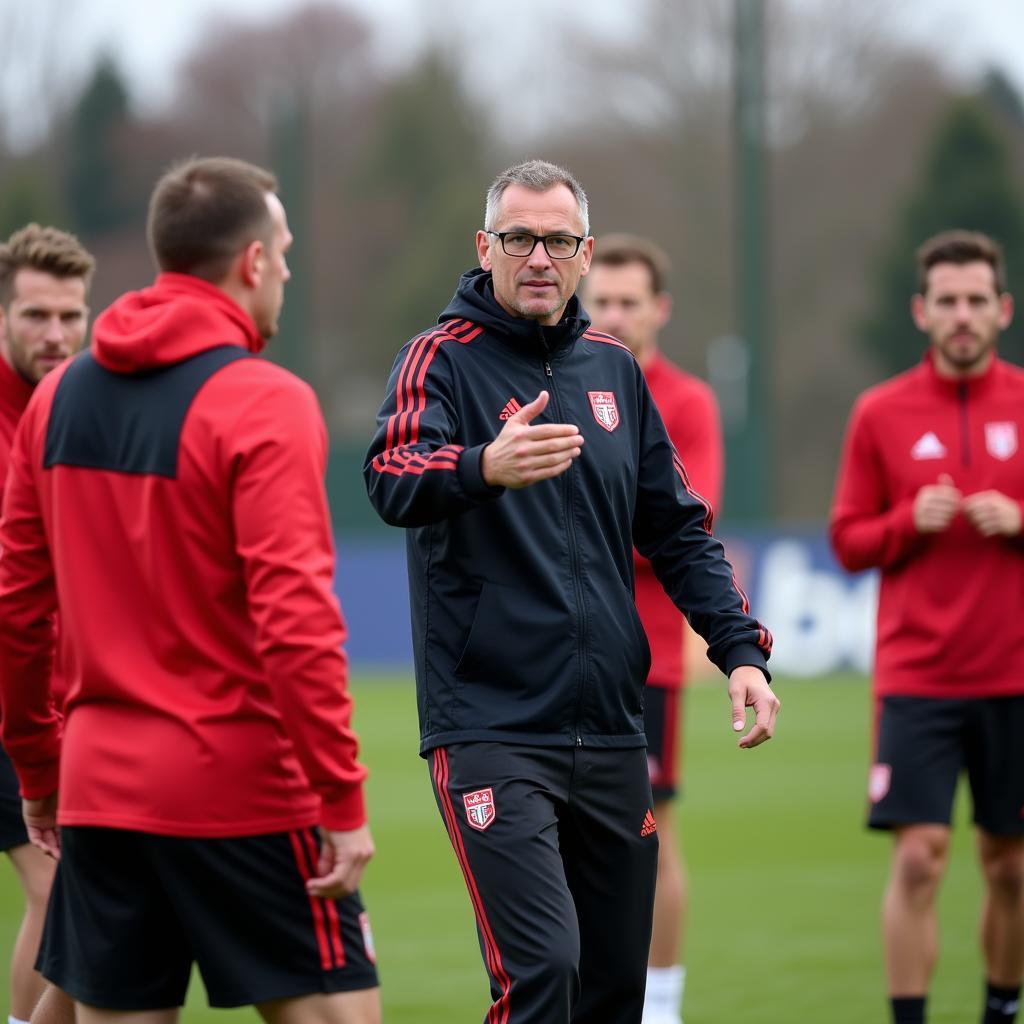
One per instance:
(319, 925)
(330, 907)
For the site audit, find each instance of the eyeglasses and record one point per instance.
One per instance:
(522, 243)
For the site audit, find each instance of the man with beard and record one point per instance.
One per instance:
(45, 275)
(930, 491)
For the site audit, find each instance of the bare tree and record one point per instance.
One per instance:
(36, 43)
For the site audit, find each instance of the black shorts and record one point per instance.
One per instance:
(12, 824)
(664, 739)
(130, 912)
(924, 744)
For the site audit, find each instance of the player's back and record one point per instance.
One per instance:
(189, 538)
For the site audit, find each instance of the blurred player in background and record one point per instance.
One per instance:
(169, 486)
(44, 283)
(626, 295)
(930, 491)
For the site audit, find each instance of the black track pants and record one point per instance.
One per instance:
(559, 853)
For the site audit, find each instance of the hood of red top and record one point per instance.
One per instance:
(177, 317)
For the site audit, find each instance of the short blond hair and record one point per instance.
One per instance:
(46, 249)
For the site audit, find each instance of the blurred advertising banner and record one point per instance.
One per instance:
(823, 619)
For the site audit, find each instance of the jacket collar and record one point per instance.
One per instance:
(474, 300)
(959, 386)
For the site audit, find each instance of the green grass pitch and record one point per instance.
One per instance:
(785, 882)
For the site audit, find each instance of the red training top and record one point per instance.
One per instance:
(950, 603)
(690, 411)
(15, 392)
(207, 690)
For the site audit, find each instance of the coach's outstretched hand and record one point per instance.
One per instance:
(522, 453)
(41, 824)
(748, 688)
(343, 855)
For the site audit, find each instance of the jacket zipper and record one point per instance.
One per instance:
(568, 487)
(965, 434)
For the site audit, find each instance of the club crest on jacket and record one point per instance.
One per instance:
(606, 412)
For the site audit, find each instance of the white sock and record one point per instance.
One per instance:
(664, 997)
(11, 1019)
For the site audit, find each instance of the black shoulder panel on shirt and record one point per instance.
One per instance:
(127, 422)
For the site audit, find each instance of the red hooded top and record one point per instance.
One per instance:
(207, 685)
(690, 411)
(950, 603)
(15, 392)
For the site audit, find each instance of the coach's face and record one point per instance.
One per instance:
(536, 286)
(962, 313)
(44, 323)
(273, 271)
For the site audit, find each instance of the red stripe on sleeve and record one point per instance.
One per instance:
(709, 512)
(403, 391)
(414, 388)
(605, 339)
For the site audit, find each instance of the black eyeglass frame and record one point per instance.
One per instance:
(500, 235)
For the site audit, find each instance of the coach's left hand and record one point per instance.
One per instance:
(343, 855)
(748, 688)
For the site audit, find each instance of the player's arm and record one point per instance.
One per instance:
(414, 473)
(865, 528)
(672, 528)
(30, 725)
(695, 428)
(284, 540)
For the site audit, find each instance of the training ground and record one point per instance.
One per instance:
(786, 883)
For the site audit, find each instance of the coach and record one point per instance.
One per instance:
(525, 455)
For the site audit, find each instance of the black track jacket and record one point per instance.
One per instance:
(524, 625)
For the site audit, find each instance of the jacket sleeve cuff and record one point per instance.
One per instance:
(39, 781)
(746, 654)
(471, 475)
(902, 521)
(345, 813)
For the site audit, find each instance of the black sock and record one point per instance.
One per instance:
(907, 1009)
(1001, 1004)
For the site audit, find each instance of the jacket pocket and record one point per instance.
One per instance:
(621, 660)
(516, 670)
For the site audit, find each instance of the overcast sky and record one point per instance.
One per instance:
(150, 40)
(965, 33)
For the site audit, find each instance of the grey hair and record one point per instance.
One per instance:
(538, 175)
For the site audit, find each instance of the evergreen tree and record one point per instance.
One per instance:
(968, 181)
(96, 195)
(422, 184)
(27, 194)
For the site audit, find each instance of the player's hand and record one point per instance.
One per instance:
(343, 855)
(936, 504)
(522, 454)
(748, 688)
(41, 823)
(992, 514)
